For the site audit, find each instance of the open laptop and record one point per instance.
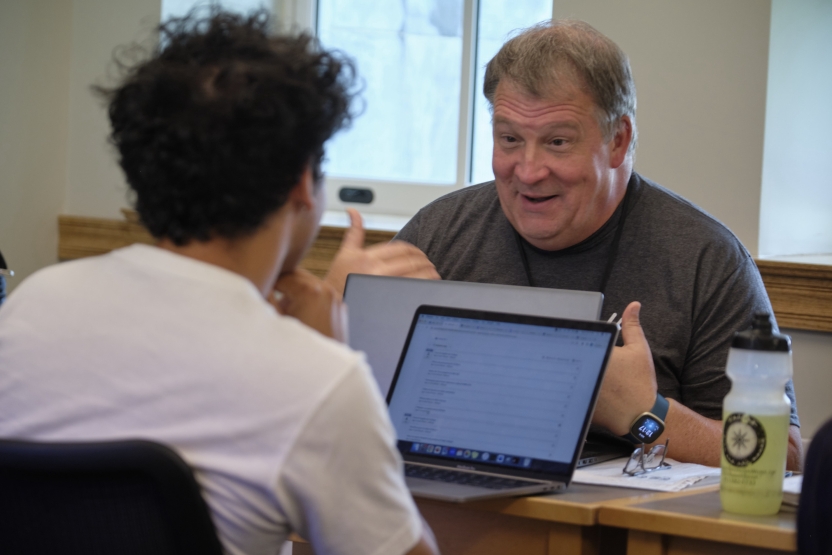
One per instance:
(381, 309)
(489, 404)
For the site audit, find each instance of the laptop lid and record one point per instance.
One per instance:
(496, 392)
(381, 309)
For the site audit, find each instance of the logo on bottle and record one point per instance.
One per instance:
(743, 439)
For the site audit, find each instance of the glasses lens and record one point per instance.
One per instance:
(654, 457)
(634, 462)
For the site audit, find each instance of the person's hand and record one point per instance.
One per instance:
(396, 258)
(629, 386)
(312, 301)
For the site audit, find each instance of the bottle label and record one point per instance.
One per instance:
(743, 439)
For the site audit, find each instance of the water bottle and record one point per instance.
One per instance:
(755, 418)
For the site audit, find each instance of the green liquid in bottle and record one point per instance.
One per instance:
(753, 463)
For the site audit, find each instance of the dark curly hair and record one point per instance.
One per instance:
(215, 129)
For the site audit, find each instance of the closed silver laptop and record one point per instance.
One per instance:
(381, 309)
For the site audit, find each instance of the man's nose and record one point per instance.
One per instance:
(531, 167)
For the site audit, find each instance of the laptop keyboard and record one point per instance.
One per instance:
(466, 478)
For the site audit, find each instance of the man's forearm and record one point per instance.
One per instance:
(693, 438)
(697, 439)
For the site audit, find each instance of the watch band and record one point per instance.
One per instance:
(660, 407)
(659, 410)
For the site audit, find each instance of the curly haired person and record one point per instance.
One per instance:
(220, 134)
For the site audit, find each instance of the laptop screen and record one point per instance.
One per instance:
(492, 389)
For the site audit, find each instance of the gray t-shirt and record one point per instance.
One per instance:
(696, 282)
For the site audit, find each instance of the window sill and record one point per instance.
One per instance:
(800, 288)
(374, 222)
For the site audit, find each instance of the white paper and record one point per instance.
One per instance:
(676, 478)
(792, 484)
(791, 490)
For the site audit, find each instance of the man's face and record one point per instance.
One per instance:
(552, 165)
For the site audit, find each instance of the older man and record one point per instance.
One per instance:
(566, 210)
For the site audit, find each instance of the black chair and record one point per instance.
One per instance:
(814, 512)
(121, 497)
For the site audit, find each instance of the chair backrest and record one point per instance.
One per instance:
(814, 512)
(120, 497)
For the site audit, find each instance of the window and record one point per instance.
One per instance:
(178, 8)
(426, 129)
(796, 199)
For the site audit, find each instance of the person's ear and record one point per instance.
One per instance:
(303, 193)
(621, 141)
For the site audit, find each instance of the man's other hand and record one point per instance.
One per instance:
(629, 386)
(396, 258)
(312, 301)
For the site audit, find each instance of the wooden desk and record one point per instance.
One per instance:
(589, 520)
(696, 524)
(563, 523)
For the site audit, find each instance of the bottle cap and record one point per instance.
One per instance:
(760, 336)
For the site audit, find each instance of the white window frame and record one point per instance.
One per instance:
(400, 200)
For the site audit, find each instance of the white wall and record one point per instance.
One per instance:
(96, 186)
(54, 156)
(700, 71)
(34, 84)
(796, 210)
(812, 357)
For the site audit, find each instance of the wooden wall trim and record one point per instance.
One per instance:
(80, 236)
(801, 294)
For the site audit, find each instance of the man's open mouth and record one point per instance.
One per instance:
(537, 200)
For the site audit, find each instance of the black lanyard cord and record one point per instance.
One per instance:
(613, 254)
(523, 257)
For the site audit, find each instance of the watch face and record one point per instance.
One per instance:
(647, 428)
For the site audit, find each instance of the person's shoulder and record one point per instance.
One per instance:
(457, 207)
(485, 191)
(682, 219)
(60, 277)
(469, 199)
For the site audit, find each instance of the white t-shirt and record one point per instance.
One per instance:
(284, 427)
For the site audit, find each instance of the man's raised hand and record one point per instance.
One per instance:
(396, 258)
(629, 386)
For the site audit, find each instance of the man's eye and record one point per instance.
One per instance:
(559, 142)
(509, 139)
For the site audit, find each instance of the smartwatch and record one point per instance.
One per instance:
(648, 426)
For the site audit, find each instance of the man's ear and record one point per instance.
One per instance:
(621, 141)
(303, 193)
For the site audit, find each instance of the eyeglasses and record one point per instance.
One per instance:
(641, 462)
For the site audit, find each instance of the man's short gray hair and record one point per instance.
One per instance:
(567, 53)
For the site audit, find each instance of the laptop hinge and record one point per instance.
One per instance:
(480, 472)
